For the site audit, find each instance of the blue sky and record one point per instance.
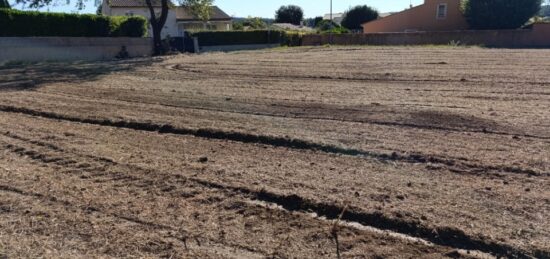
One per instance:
(266, 8)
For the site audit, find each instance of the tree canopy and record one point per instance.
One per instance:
(356, 16)
(202, 9)
(289, 14)
(254, 23)
(4, 4)
(500, 14)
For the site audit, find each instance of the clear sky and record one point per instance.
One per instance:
(266, 8)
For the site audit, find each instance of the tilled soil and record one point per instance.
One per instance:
(293, 153)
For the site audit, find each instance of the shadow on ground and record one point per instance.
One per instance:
(28, 76)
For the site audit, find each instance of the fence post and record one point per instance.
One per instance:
(196, 44)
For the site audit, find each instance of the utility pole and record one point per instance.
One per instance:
(330, 22)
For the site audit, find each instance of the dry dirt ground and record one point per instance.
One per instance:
(423, 152)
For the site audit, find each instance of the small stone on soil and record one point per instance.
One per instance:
(203, 159)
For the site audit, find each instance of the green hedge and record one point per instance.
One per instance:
(17, 23)
(216, 38)
(123, 26)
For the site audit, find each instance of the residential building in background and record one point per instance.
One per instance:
(179, 18)
(433, 15)
(219, 20)
(336, 17)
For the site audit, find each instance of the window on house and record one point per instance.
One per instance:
(442, 11)
(130, 13)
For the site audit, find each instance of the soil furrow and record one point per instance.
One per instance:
(304, 115)
(272, 141)
(441, 236)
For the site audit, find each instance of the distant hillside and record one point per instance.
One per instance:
(545, 11)
(266, 20)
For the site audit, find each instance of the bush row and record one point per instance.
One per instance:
(17, 23)
(214, 38)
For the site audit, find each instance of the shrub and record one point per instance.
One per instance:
(499, 14)
(134, 26)
(17, 23)
(327, 26)
(213, 38)
(356, 16)
(292, 39)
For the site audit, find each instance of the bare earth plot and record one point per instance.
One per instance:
(428, 152)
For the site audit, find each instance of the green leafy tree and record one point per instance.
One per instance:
(5, 4)
(202, 9)
(317, 20)
(328, 26)
(356, 16)
(312, 22)
(238, 26)
(289, 14)
(254, 23)
(499, 14)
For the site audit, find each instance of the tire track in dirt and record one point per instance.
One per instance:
(443, 236)
(138, 183)
(152, 226)
(320, 118)
(374, 77)
(455, 166)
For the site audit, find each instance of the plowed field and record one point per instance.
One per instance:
(394, 152)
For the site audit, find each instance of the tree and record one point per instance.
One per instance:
(317, 20)
(4, 4)
(289, 14)
(202, 9)
(499, 14)
(157, 23)
(254, 23)
(356, 16)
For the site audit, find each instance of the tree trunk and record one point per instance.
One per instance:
(157, 25)
(157, 41)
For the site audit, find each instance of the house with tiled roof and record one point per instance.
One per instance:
(433, 15)
(179, 20)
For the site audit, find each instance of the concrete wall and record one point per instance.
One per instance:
(227, 48)
(538, 36)
(67, 48)
(421, 18)
(170, 28)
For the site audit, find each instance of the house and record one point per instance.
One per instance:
(336, 17)
(179, 18)
(219, 20)
(433, 15)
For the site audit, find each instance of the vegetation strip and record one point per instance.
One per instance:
(268, 140)
(444, 236)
